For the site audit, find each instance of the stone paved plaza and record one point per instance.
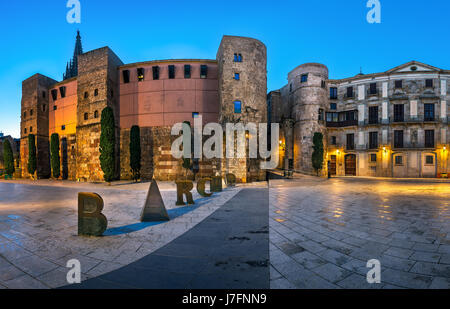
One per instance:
(38, 229)
(321, 235)
(323, 232)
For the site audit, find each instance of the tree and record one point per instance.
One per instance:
(8, 158)
(187, 164)
(54, 153)
(32, 154)
(108, 144)
(317, 155)
(135, 152)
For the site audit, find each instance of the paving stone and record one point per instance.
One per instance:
(356, 281)
(425, 256)
(282, 284)
(331, 272)
(34, 265)
(25, 282)
(308, 260)
(405, 279)
(431, 269)
(440, 283)
(399, 252)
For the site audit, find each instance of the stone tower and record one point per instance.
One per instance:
(98, 87)
(242, 64)
(308, 90)
(35, 120)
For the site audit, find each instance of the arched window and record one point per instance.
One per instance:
(96, 92)
(96, 114)
(239, 58)
(86, 95)
(86, 116)
(236, 58)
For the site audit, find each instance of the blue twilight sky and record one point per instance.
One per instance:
(36, 37)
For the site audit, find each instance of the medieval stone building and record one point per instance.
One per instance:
(392, 124)
(153, 95)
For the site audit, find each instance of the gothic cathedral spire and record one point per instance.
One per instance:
(72, 67)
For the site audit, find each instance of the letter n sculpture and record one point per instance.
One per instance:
(91, 221)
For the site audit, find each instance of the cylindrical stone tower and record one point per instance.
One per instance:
(242, 64)
(308, 87)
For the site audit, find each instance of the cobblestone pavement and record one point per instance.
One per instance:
(38, 229)
(323, 232)
(227, 250)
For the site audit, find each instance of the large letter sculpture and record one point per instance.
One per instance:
(184, 187)
(216, 184)
(91, 221)
(201, 187)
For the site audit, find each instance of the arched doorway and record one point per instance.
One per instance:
(350, 165)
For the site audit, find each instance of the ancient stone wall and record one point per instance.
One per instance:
(97, 88)
(34, 120)
(248, 58)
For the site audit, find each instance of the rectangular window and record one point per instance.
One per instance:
(373, 88)
(429, 138)
(324, 84)
(195, 115)
(321, 114)
(429, 83)
(237, 76)
(333, 93)
(429, 160)
(333, 106)
(398, 113)
(373, 157)
(398, 139)
(55, 107)
(140, 74)
(126, 76)
(333, 140)
(203, 71)
(63, 127)
(428, 112)
(171, 71)
(304, 78)
(373, 114)
(155, 70)
(54, 93)
(187, 71)
(237, 107)
(350, 141)
(349, 92)
(62, 91)
(399, 160)
(398, 84)
(373, 140)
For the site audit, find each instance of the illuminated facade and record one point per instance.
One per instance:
(391, 124)
(153, 95)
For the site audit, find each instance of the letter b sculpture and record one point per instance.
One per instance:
(91, 221)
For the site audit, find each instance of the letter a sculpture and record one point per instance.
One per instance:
(154, 209)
